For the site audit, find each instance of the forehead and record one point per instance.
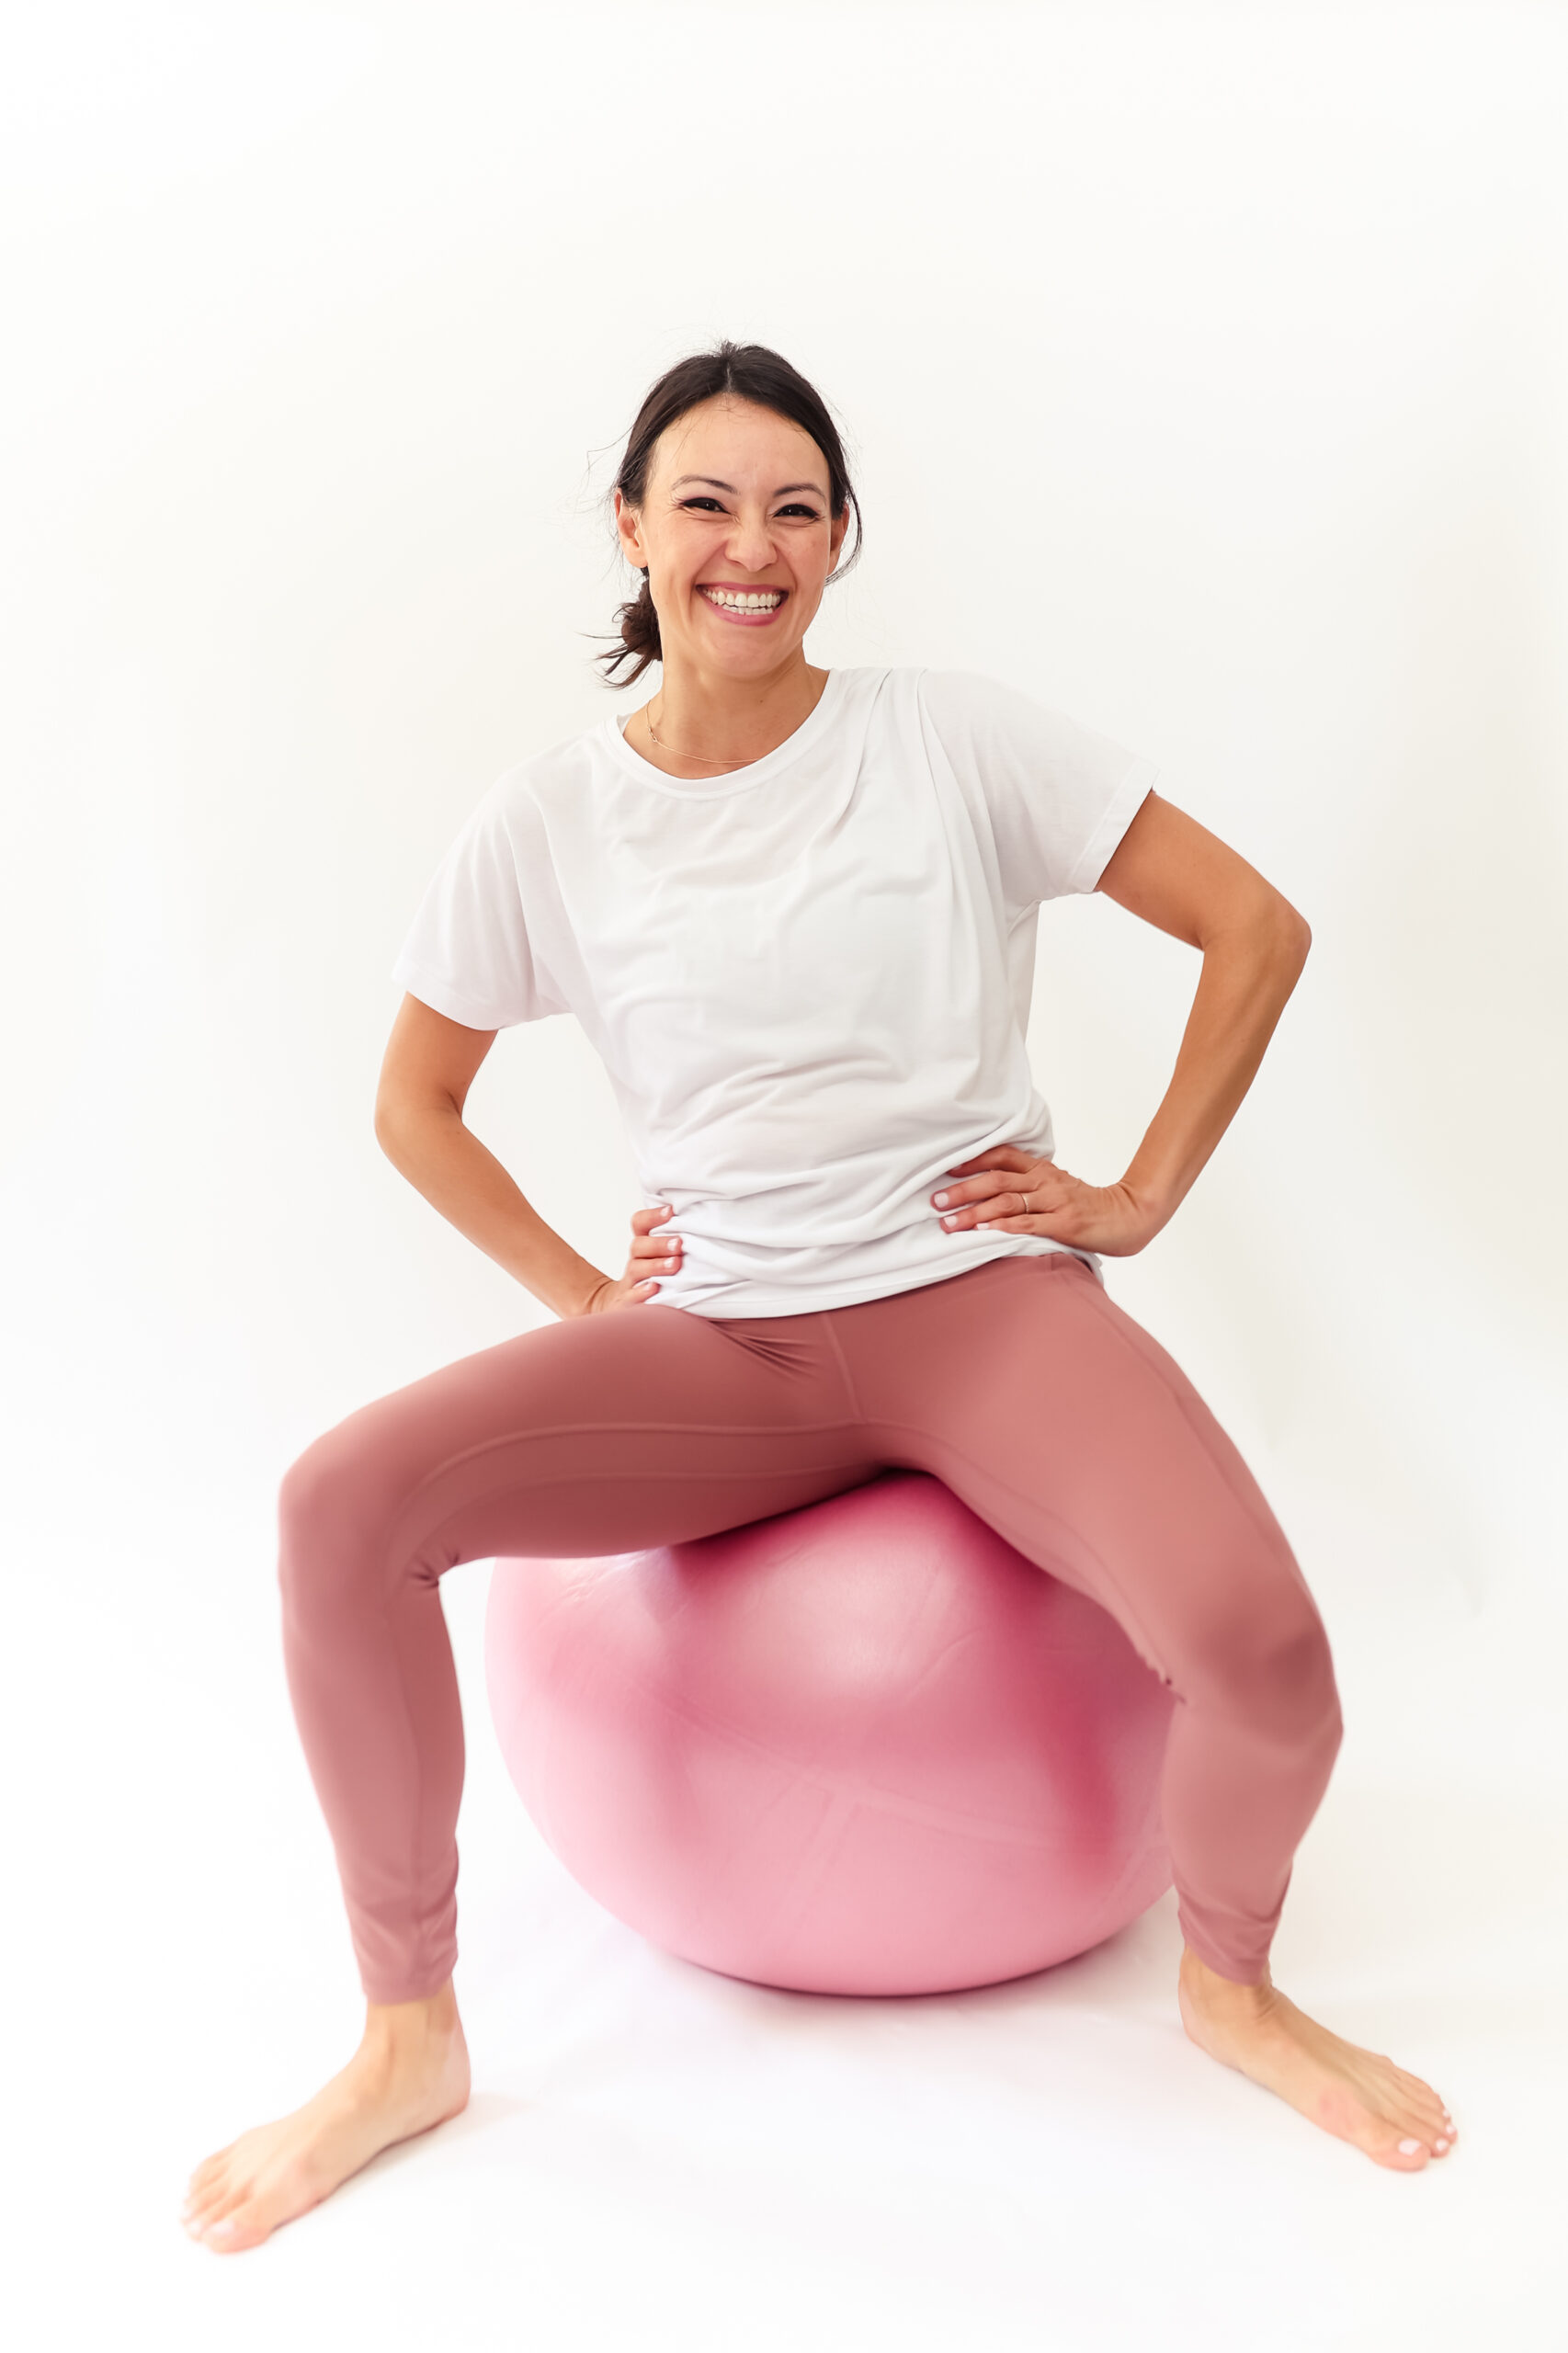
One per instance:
(735, 441)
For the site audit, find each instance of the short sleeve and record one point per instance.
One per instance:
(1060, 797)
(468, 952)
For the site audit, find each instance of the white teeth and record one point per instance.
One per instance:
(748, 600)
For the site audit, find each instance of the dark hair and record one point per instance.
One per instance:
(748, 371)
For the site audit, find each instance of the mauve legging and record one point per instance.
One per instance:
(1021, 1385)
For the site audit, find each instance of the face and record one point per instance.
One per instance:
(737, 535)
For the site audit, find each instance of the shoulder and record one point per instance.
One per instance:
(909, 691)
(995, 725)
(563, 774)
(971, 698)
(973, 718)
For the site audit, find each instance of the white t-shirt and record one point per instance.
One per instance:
(808, 980)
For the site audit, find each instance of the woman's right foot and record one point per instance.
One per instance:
(409, 2075)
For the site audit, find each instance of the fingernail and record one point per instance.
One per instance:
(949, 1221)
(940, 1200)
(1409, 2148)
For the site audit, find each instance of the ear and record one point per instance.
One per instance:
(628, 531)
(835, 539)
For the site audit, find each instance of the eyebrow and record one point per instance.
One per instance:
(714, 483)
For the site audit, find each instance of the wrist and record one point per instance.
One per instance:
(565, 1283)
(580, 1299)
(1153, 1204)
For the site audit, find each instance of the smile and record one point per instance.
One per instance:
(746, 605)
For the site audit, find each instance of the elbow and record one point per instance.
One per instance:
(1267, 934)
(403, 1120)
(391, 1123)
(385, 1123)
(1269, 940)
(1293, 934)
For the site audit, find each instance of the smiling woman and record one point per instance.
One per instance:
(794, 913)
(733, 501)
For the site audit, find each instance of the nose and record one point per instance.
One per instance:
(750, 545)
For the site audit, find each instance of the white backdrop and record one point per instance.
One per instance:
(1204, 371)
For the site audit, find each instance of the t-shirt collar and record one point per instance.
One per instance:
(737, 779)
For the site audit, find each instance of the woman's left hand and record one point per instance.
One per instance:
(1008, 1191)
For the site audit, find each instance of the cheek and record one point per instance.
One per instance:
(682, 556)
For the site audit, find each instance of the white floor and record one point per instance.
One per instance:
(657, 2157)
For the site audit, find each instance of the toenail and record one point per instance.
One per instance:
(1409, 2148)
(1439, 2146)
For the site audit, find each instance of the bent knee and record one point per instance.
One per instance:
(331, 1519)
(1266, 1659)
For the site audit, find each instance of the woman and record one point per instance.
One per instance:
(794, 910)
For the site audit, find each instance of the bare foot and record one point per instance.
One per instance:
(1395, 2118)
(409, 2075)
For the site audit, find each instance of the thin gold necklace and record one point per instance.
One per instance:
(700, 758)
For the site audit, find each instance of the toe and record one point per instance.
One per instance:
(204, 2202)
(244, 2228)
(1409, 2154)
(211, 2169)
(219, 2212)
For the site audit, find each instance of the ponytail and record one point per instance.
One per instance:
(638, 637)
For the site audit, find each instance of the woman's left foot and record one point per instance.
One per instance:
(1395, 2118)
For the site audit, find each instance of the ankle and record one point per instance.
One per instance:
(395, 2030)
(1203, 1984)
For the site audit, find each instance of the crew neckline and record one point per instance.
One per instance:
(739, 779)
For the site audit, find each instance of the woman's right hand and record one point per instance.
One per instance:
(652, 1254)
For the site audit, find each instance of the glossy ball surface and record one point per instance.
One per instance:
(864, 1748)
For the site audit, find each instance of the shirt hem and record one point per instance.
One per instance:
(821, 1299)
(465, 1010)
(1106, 839)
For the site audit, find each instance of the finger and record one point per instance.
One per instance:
(1006, 1212)
(655, 1246)
(644, 1220)
(973, 1188)
(988, 1213)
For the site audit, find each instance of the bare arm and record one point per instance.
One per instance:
(429, 1066)
(1176, 875)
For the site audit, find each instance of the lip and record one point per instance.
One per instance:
(745, 588)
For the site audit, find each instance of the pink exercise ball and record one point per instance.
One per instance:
(864, 1748)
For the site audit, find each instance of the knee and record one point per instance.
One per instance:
(1300, 1694)
(327, 1522)
(1266, 1660)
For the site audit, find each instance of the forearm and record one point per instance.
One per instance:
(445, 1161)
(1245, 982)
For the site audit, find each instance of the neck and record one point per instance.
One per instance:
(705, 722)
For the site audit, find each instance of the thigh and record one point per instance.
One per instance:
(1068, 1428)
(602, 1434)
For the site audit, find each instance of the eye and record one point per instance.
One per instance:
(702, 500)
(810, 513)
